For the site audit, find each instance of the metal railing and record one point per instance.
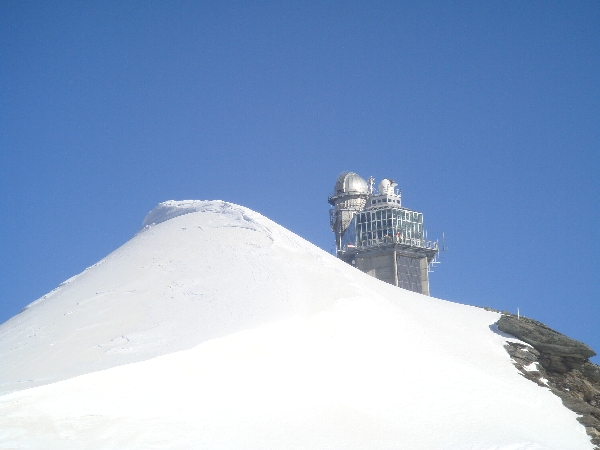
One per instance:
(387, 240)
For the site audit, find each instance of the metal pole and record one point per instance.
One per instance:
(395, 269)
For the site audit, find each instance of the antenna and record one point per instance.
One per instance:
(371, 182)
(444, 248)
(438, 255)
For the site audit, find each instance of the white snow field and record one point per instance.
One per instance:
(215, 328)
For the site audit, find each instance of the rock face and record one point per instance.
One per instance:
(562, 353)
(560, 363)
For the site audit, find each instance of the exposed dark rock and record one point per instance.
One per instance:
(559, 363)
(591, 371)
(543, 338)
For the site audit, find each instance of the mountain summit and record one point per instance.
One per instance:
(216, 328)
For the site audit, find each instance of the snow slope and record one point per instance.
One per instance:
(216, 328)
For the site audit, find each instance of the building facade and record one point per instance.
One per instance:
(377, 235)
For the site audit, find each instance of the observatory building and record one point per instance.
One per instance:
(374, 233)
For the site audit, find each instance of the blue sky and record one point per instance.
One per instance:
(486, 114)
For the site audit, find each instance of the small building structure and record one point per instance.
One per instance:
(377, 235)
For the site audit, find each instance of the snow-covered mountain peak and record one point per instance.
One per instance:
(217, 328)
(199, 270)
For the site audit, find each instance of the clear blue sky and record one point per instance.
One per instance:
(487, 114)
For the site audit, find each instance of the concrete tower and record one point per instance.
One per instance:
(376, 234)
(349, 197)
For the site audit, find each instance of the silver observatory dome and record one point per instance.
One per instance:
(350, 183)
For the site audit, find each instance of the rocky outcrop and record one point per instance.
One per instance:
(560, 353)
(559, 363)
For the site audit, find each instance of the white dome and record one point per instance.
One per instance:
(387, 186)
(350, 183)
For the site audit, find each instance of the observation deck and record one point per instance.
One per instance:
(379, 236)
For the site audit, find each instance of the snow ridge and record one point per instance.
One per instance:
(174, 208)
(216, 328)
